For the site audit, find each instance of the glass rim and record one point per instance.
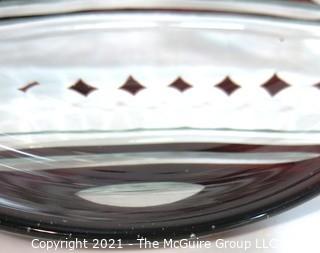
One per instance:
(304, 10)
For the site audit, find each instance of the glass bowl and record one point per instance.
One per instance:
(156, 119)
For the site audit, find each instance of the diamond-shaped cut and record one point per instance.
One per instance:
(82, 88)
(132, 86)
(317, 85)
(275, 85)
(28, 86)
(180, 85)
(228, 86)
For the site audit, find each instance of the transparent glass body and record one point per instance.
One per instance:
(156, 119)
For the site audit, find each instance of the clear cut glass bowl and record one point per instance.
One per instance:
(158, 119)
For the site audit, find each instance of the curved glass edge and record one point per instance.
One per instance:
(300, 10)
(29, 229)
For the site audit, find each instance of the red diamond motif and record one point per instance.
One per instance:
(132, 86)
(180, 85)
(28, 86)
(317, 85)
(228, 86)
(275, 85)
(82, 88)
